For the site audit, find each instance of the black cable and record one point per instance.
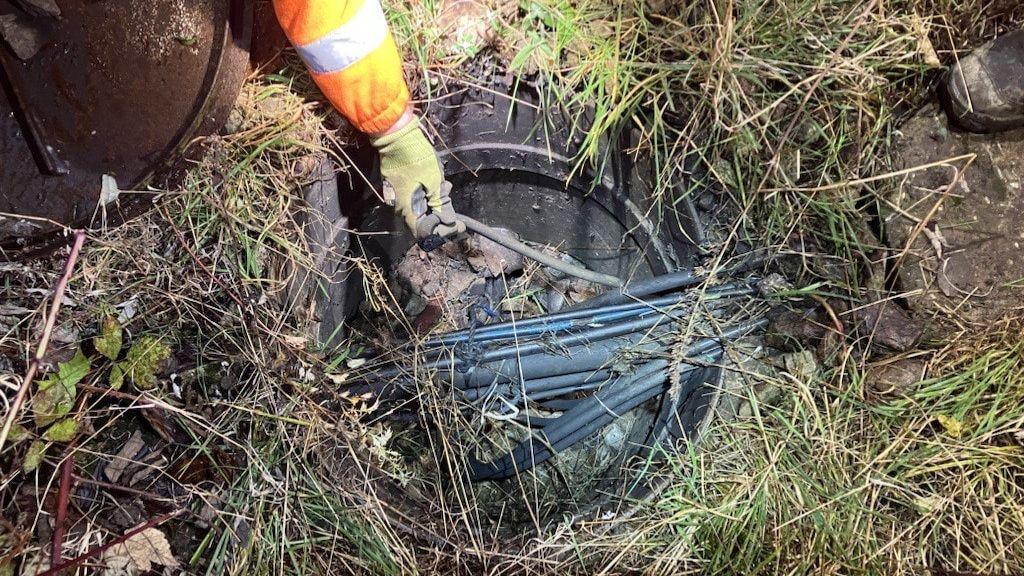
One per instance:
(592, 334)
(641, 288)
(589, 412)
(537, 448)
(576, 359)
(541, 385)
(558, 321)
(535, 451)
(664, 283)
(586, 336)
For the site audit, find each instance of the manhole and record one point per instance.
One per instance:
(512, 167)
(115, 89)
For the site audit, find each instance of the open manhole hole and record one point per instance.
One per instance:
(511, 163)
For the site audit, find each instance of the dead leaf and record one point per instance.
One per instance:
(924, 45)
(295, 341)
(124, 458)
(139, 554)
(953, 426)
(338, 378)
(928, 504)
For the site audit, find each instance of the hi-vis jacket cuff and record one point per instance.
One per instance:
(352, 56)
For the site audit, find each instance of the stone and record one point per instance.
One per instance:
(488, 258)
(894, 376)
(794, 330)
(23, 36)
(888, 325)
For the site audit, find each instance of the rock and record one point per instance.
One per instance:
(754, 377)
(489, 258)
(434, 276)
(795, 330)
(23, 36)
(801, 365)
(962, 230)
(894, 376)
(774, 284)
(888, 325)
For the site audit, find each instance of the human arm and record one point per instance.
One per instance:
(352, 57)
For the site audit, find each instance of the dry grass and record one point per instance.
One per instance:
(775, 100)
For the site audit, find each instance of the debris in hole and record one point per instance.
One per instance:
(485, 279)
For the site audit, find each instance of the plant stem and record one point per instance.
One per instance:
(33, 367)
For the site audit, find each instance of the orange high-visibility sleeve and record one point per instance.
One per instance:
(353, 58)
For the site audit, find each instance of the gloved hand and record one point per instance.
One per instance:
(410, 167)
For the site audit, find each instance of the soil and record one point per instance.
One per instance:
(962, 229)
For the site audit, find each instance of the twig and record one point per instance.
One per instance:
(66, 469)
(33, 367)
(67, 477)
(128, 490)
(104, 547)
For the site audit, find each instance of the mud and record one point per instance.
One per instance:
(959, 231)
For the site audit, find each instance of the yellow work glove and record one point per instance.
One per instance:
(409, 165)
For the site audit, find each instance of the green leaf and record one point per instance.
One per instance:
(53, 400)
(144, 360)
(116, 377)
(34, 456)
(110, 339)
(62, 431)
(17, 434)
(73, 371)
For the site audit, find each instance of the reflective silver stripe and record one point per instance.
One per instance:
(348, 43)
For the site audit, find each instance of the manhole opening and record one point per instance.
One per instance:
(511, 167)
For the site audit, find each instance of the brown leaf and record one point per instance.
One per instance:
(139, 554)
(124, 458)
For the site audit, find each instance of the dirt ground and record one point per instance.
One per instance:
(958, 220)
